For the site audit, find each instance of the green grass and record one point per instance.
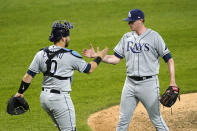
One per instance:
(25, 27)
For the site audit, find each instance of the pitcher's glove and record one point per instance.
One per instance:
(17, 106)
(170, 96)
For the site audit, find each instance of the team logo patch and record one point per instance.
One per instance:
(137, 47)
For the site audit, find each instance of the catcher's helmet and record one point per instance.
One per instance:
(60, 28)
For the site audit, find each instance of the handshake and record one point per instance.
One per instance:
(90, 53)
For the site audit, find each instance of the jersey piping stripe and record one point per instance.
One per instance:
(134, 54)
(138, 65)
(118, 53)
(145, 34)
(165, 54)
(133, 36)
(34, 70)
(159, 106)
(53, 117)
(84, 68)
(69, 112)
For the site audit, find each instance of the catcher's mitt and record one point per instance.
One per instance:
(170, 96)
(17, 106)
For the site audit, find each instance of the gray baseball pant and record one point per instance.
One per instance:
(147, 91)
(60, 108)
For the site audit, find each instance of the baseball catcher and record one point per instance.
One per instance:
(17, 106)
(170, 96)
(57, 63)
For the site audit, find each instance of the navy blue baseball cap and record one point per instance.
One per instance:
(134, 15)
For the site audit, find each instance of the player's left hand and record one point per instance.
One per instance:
(173, 84)
(101, 53)
(19, 95)
(17, 105)
(170, 96)
(90, 53)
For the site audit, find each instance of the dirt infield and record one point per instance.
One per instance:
(184, 117)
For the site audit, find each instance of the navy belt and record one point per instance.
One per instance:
(53, 91)
(137, 78)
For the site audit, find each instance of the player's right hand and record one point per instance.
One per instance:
(90, 53)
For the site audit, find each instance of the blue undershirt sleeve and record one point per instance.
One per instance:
(167, 57)
(87, 69)
(31, 73)
(117, 55)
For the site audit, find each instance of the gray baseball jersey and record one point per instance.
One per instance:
(141, 52)
(55, 98)
(66, 64)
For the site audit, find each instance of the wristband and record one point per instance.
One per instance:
(97, 60)
(23, 87)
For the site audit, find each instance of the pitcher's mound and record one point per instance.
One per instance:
(184, 117)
